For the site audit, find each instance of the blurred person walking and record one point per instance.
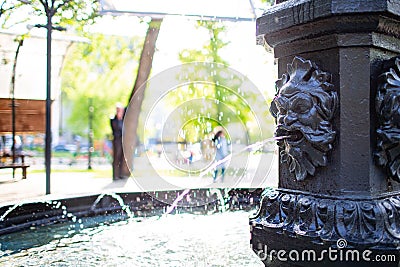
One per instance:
(222, 151)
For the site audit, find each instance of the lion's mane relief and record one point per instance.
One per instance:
(304, 107)
(388, 111)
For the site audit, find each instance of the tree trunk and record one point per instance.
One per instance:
(137, 95)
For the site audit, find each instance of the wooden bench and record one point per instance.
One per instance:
(14, 165)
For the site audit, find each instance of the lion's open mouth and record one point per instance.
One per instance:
(292, 135)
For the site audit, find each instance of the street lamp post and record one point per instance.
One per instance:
(49, 14)
(50, 11)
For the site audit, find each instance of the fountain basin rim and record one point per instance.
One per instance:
(17, 217)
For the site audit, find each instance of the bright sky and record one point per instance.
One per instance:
(178, 33)
(227, 9)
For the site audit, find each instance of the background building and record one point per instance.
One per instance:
(30, 81)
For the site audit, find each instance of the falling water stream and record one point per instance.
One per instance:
(250, 148)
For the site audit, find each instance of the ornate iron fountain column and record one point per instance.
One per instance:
(338, 97)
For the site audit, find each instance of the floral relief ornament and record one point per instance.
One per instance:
(388, 111)
(304, 107)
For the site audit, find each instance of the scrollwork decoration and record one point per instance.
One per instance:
(365, 222)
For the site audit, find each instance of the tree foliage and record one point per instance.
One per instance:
(92, 70)
(75, 14)
(271, 2)
(223, 92)
(209, 53)
(102, 70)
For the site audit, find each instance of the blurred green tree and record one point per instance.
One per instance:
(101, 70)
(74, 14)
(224, 89)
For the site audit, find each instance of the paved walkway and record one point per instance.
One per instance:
(77, 180)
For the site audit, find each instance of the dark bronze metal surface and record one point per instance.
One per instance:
(336, 193)
(303, 107)
(388, 132)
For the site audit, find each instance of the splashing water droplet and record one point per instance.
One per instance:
(253, 147)
(120, 201)
(8, 212)
(175, 203)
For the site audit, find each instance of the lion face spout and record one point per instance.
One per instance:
(303, 107)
